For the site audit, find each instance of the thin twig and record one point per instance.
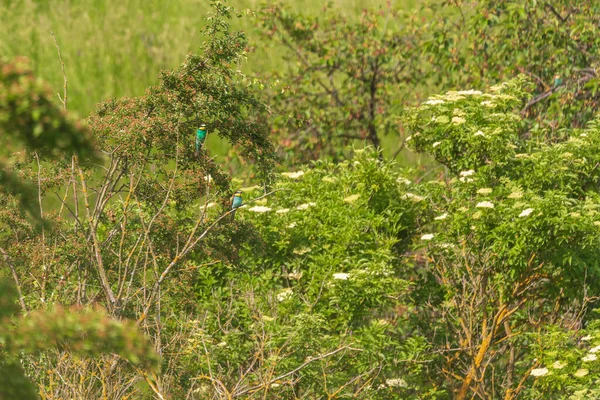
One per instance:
(64, 99)
(15, 277)
(304, 364)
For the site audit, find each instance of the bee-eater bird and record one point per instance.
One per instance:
(557, 81)
(236, 202)
(200, 138)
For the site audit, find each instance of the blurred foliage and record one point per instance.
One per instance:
(30, 119)
(117, 49)
(345, 80)
(86, 333)
(30, 122)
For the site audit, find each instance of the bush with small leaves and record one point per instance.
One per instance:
(319, 305)
(512, 238)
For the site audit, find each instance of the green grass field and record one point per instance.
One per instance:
(116, 48)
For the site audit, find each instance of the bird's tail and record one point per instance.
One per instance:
(233, 215)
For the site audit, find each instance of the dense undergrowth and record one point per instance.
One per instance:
(127, 274)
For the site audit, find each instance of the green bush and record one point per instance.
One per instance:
(318, 305)
(512, 244)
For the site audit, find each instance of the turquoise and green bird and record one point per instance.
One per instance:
(236, 202)
(200, 138)
(557, 81)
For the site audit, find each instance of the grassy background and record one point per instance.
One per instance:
(117, 48)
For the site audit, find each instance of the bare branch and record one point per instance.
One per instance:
(64, 99)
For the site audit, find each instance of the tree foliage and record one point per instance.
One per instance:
(315, 308)
(29, 118)
(128, 225)
(512, 244)
(32, 123)
(345, 81)
(351, 81)
(489, 41)
(347, 278)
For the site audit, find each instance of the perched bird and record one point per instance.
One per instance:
(200, 138)
(236, 202)
(557, 81)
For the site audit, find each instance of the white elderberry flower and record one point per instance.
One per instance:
(479, 133)
(282, 210)
(526, 212)
(259, 209)
(396, 382)
(412, 196)
(436, 144)
(209, 205)
(467, 173)
(581, 373)
(403, 180)
(539, 372)
(485, 204)
(427, 236)
(589, 357)
(586, 338)
(470, 92)
(341, 276)
(285, 294)
(302, 251)
(293, 175)
(458, 120)
(295, 275)
(454, 96)
(305, 206)
(433, 102)
(559, 365)
(594, 350)
(484, 191)
(351, 199)
(441, 217)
